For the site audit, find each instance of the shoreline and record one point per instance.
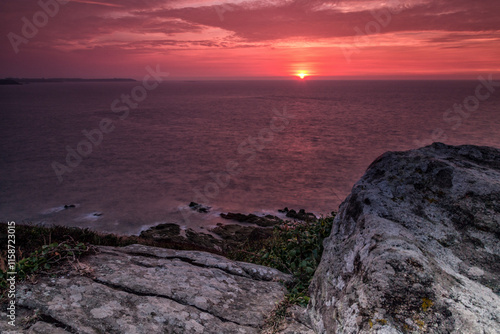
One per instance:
(233, 228)
(56, 251)
(108, 220)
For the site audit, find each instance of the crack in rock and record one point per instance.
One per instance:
(145, 294)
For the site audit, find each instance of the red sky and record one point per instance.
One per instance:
(246, 38)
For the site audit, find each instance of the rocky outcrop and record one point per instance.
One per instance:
(141, 289)
(415, 247)
(266, 221)
(234, 234)
(301, 215)
(172, 232)
(231, 235)
(199, 207)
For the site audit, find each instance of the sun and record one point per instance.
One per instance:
(302, 75)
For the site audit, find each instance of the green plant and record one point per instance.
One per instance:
(46, 259)
(295, 248)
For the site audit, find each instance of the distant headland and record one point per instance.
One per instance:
(9, 82)
(16, 81)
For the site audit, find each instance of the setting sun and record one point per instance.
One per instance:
(302, 75)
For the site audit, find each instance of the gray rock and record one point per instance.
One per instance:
(297, 323)
(266, 221)
(415, 247)
(41, 327)
(141, 289)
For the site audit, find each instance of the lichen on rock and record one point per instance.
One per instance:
(415, 247)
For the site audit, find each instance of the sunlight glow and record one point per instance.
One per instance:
(302, 75)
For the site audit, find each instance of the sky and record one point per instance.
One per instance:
(355, 39)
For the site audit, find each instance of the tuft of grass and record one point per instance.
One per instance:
(294, 248)
(47, 258)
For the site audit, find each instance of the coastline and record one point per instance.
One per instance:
(245, 237)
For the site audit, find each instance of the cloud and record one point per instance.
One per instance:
(258, 21)
(320, 19)
(101, 30)
(97, 3)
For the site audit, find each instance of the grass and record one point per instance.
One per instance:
(47, 259)
(294, 248)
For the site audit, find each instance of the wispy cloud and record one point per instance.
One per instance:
(128, 28)
(97, 3)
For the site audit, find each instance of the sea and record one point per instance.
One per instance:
(116, 157)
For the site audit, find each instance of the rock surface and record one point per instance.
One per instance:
(301, 215)
(230, 235)
(141, 289)
(415, 247)
(199, 207)
(266, 221)
(172, 232)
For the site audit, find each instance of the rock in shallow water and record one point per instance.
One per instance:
(415, 247)
(199, 207)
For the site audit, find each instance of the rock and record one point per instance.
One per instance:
(297, 322)
(301, 215)
(70, 206)
(168, 230)
(231, 235)
(234, 234)
(171, 232)
(202, 239)
(141, 289)
(285, 210)
(199, 207)
(266, 221)
(26, 317)
(415, 247)
(41, 327)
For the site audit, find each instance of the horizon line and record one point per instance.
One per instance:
(268, 78)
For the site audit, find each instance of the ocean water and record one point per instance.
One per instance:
(239, 146)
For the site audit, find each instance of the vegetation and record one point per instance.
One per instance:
(295, 248)
(46, 259)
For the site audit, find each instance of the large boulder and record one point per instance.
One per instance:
(415, 247)
(141, 289)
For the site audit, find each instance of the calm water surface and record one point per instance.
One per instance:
(182, 141)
